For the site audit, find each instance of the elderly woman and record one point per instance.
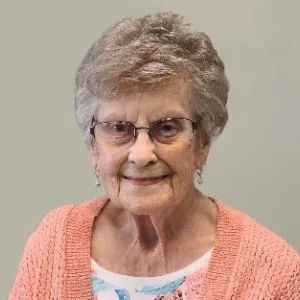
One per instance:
(151, 98)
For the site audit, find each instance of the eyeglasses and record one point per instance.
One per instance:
(164, 131)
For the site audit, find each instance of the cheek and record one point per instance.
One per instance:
(110, 161)
(181, 158)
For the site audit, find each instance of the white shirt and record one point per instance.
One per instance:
(113, 286)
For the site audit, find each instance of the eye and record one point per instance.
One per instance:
(120, 127)
(168, 128)
(117, 129)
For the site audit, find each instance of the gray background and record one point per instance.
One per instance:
(255, 164)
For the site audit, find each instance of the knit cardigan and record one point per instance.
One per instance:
(248, 261)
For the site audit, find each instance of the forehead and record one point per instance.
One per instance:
(170, 101)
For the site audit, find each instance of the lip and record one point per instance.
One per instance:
(144, 181)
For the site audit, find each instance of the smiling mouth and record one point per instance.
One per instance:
(145, 181)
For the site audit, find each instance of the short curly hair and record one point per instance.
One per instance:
(142, 53)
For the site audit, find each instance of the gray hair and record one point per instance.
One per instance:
(142, 53)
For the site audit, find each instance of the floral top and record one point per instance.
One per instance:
(182, 284)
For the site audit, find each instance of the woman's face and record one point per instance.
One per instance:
(145, 176)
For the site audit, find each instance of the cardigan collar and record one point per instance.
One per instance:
(78, 251)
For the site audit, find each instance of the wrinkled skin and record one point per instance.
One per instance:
(153, 229)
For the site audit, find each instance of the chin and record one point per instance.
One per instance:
(146, 204)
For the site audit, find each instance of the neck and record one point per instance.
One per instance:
(195, 213)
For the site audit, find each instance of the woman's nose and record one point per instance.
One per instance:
(141, 153)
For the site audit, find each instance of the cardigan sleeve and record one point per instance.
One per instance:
(23, 284)
(34, 275)
(290, 283)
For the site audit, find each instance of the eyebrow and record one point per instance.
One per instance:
(169, 113)
(113, 117)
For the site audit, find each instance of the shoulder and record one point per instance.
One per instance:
(56, 228)
(263, 256)
(262, 251)
(55, 217)
(265, 241)
(270, 250)
(55, 223)
(261, 240)
(47, 246)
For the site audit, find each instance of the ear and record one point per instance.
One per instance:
(201, 156)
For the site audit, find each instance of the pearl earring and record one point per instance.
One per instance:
(97, 181)
(199, 180)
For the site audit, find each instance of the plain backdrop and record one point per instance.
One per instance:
(254, 166)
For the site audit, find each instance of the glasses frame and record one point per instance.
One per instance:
(148, 128)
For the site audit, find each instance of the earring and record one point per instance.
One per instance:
(199, 180)
(97, 181)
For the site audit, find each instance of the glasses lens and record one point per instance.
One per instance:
(171, 130)
(116, 133)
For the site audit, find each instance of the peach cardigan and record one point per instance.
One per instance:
(248, 261)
